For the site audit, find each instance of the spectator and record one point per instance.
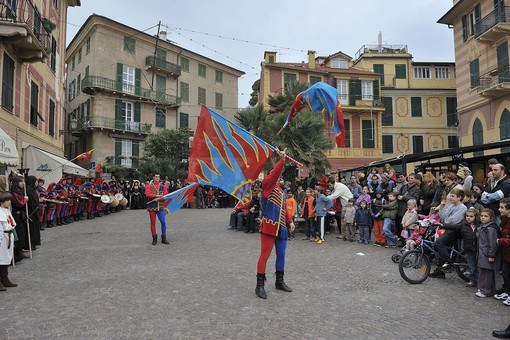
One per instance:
(387, 184)
(308, 214)
(414, 238)
(504, 243)
(428, 192)
(355, 188)
(362, 221)
(348, 221)
(389, 213)
(376, 207)
(365, 196)
(465, 174)
(291, 207)
(388, 170)
(489, 260)
(501, 188)
(254, 212)
(322, 205)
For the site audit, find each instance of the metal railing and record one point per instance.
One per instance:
(172, 68)
(494, 77)
(495, 17)
(381, 49)
(114, 124)
(135, 91)
(24, 12)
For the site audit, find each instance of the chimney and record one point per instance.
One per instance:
(162, 35)
(311, 59)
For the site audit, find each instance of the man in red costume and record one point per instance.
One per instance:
(273, 228)
(154, 193)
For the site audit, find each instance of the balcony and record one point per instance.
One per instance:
(162, 66)
(22, 28)
(354, 153)
(107, 123)
(495, 83)
(95, 84)
(494, 26)
(354, 102)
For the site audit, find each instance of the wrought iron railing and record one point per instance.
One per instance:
(135, 91)
(114, 124)
(494, 77)
(175, 69)
(495, 17)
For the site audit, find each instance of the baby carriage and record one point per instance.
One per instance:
(427, 230)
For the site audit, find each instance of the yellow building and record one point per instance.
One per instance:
(124, 84)
(32, 47)
(359, 95)
(481, 30)
(419, 100)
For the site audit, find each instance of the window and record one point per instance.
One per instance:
(128, 79)
(87, 50)
(442, 73)
(417, 144)
(71, 90)
(453, 142)
(184, 92)
(271, 59)
(421, 72)
(387, 143)
(78, 85)
(416, 109)
(55, 3)
(202, 70)
(400, 71)
(347, 126)
(86, 72)
(504, 128)
(79, 55)
(451, 111)
(8, 83)
(314, 79)
(129, 45)
(367, 88)
(387, 115)
(474, 71)
(474, 18)
(339, 63)
(184, 64)
(160, 118)
(477, 136)
(73, 63)
(53, 58)
(183, 120)
(126, 153)
(34, 103)
(218, 77)
(289, 78)
(367, 134)
(219, 100)
(201, 96)
(343, 91)
(51, 119)
(379, 68)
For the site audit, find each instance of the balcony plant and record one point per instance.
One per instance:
(48, 24)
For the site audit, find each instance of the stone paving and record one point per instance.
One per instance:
(102, 279)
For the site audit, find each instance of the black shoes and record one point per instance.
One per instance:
(154, 239)
(259, 290)
(438, 274)
(280, 284)
(163, 239)
(504, 334)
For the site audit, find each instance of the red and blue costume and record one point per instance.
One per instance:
(273, 229)
(155, 206)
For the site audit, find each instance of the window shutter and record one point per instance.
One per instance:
(118, 150)
(119, 76)
(118, 114)
(135, 154)
(376, 89)
(387, 115)
(138, 110)
(138, 81)
(379, 68)
(464, 28)
(354, 91)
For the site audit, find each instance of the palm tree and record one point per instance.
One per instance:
(283, 101)
(252, 119)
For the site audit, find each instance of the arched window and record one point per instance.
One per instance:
(477, 136)
(504, 128)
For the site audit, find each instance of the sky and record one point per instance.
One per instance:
(236, 33)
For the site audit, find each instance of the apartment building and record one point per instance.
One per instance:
(481, 30)
(419, 100)
(32, 47)
(359, 95)
(124, 84)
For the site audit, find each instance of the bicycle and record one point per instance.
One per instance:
(414, 266)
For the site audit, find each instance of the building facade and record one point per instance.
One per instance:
(32, 49)
(481, 30)
(359, 95)
(124, 84)
(419, 100)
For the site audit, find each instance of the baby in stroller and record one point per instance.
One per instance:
(418, 231)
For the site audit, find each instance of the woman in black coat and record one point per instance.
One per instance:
(34, 212)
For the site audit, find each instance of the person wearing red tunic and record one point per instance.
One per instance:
(154, 192)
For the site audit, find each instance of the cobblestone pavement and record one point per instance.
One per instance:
(102, 279)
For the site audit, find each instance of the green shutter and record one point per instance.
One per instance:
(387, 116)
(138, 81)
(379, 68)
(367, 134)
(347, 127)
(118, 150)
(464, 28)
(119, 76)
(451, 111)
(138, 110)
(354, 91)
(135, 154)
(161, 54)
(416, 109)
(118, 114)
(376, 89)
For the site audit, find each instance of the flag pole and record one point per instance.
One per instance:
(69, 161)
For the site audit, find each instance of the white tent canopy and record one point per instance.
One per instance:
(8, 152)
(48, 166)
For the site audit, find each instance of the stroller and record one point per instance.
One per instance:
(427, 231)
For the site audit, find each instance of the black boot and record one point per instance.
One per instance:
(154, 239)
(4, 275)
(163, 239)
(2, 288)
(280, 284)
(504, 334)
(260, 291)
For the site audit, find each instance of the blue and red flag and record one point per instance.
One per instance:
(321, 97)
(226, 156)
(176, 199)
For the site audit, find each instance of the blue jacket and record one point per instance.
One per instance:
(322, 204)
(363, 217)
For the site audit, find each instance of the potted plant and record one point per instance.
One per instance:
(48, 24)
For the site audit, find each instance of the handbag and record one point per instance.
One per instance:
(404, 233)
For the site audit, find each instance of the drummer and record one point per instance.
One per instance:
(90, 190)
(43, 195)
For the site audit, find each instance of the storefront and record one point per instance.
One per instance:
(9, 156)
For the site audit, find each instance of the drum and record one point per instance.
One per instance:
(96, 196)
(115, 202)
(105, 199)
(124, 201)
(119, 197)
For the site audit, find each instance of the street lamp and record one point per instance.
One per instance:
(74, 124)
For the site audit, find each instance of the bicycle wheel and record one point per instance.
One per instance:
(396, 257)
(414, 266)
(461, 267)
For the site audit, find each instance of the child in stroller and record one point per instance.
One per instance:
(422, 229)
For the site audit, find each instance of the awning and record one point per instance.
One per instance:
(8, 152)
(43, 164)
